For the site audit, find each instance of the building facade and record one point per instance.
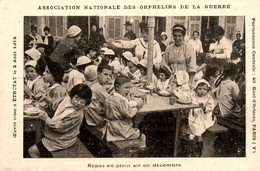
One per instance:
(114, 25)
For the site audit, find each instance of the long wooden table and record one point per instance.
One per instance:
(157, 103)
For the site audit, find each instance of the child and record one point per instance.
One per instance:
(227, 91)
(98, 60)
(31, 54)
(113, 60)
(142, 66)
(164, 75)
(90, 73)
(179, 86)
(134, 73)
(76, 76)
(35, 86)
(47, 38)
(211, 73)
(125, 57)
(119, 112)
(94, 113)
(56, 92)
(61, 131)
(200, 119)
(91, 53)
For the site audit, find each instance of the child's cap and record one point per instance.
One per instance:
(32, 63)
(103, 49)
(73, 31)
(134, 60)
(202, 81)
(128, 55)
(143, 63)
(33, 53)
(83, 60)
(91, 72)
(166, 70)
(109, 52)
(182, 77)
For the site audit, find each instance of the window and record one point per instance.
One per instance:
(114, 27)
(28, 21)
(56, 26)
(194, 25)
(231, 19)
(179, 17)
(230, 25)
(179, 20)
(195, 18)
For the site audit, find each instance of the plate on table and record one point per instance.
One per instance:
(27, 101)
(123, 44)
(139, 93)
(184, 100)
(32, 111)
(149, 87)
(164, 93)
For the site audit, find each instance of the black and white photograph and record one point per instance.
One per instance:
(134, 86)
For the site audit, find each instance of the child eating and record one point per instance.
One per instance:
(61, 131)
(124, 58)
(119, 112)
(56, 92)
(200, 119)
(134, 73)
(179, 86)
(35, 86)
(142, 66)
(76, 76)
(164, 75)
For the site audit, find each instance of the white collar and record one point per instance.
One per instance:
(53, 86)
(31, 83)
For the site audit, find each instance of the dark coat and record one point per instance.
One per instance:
(130, 35)
(66, 46)
(50, 40)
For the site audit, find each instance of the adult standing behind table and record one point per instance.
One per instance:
(94, 37)
(164, 41)
(222, 48)
(181, 56)
(196, 43)
(129, 32)
(101, 38)
(69, 44)
(141, 46)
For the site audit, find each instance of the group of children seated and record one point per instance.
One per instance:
(100, 92)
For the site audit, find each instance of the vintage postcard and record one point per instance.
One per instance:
(138, 85)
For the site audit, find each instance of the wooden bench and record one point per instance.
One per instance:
(209, 138)
(232, 124)
(216, 128)
(78, 150)
(124, 148)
